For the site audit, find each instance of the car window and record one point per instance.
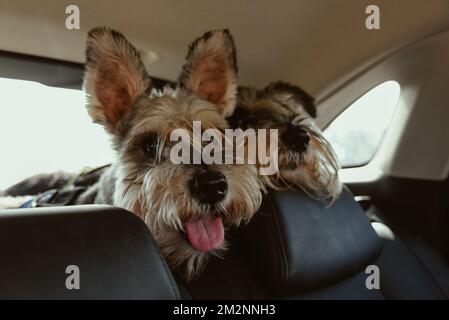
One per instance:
(357, 132)
(45, 129)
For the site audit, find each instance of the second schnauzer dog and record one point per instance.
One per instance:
(306, 159)
(187, 207)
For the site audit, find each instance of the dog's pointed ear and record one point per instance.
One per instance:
(291, 96)
(210, 70)
(114, 77)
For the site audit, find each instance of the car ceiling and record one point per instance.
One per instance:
(310, 43)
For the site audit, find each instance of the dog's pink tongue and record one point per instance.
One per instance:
(206, 233)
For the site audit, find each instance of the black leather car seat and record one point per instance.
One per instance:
(296, 248)
(293, 248)
(115, 253)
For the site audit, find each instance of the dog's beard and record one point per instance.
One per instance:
(315, 170)
(181, 256)
(161, 198)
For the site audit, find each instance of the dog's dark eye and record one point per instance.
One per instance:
(150, 144)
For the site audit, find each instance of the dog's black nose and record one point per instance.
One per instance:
(296, 138)
(209, 187)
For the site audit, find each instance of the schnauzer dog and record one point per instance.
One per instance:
(187, 207)
(306, 160)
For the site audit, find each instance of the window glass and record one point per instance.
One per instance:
(45, 129)
(357, 132)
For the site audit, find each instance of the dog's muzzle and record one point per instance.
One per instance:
(209, 187)
(296, 138)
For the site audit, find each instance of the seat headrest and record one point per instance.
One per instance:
(113, 250)
(296, 244)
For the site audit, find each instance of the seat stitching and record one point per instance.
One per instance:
(277, 235)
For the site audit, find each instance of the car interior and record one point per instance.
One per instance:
(391, 220)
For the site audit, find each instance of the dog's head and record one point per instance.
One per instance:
(186, 206)
(306, 159)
